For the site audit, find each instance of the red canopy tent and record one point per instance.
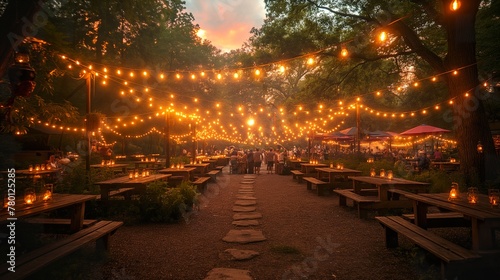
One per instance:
(424, 129)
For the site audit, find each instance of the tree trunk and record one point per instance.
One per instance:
(469, 118)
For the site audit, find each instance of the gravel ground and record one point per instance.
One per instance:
(308, 237)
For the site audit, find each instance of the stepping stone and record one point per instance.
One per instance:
(249, 176)
(238, 255)
(251, 193)
(245, 223)
(220, 273)
(246, 197)
(247, 216)
(244, 236)
(246, 188)
(247, 182)
(245, 202)
(244, 208)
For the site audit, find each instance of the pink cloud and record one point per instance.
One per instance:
(227, 22)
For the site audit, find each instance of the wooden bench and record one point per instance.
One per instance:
(213, 174)
(453, 257)
(442, 219)
(321, 186)
(220, 167)
(297, 174)
(363, 203)
(126, 192)
(37, 259)
(201, 184)
(54, 225)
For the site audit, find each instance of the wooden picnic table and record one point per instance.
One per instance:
(50, 174)
(122, 166)
(186, 172)
(446, 165)
(212, 163)
(484, 218)
(138, 183)
(383, 184)
(295, 164)
(333, 173)
(308, 168)
(201, 168)
(148, 164)
(22, 210)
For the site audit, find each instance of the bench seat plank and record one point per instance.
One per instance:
(321, 186)
(201, 184)
(442, 219)
(297, 174)
(30, 262)
(440, 247)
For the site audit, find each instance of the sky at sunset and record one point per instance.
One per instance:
(227, 23)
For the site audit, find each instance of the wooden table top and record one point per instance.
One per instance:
(22, 209)
(335, 170)
(197, 164)
(116, 165)
(138, 180)
(314, 164)
(481, 210)
(385, 181)
(39, 172)
(173, 170)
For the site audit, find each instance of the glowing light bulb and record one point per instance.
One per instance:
(383, 36)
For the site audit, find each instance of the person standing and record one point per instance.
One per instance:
(250, 162)
(270, 156)
(257, 160)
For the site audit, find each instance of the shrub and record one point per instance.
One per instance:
(162, 204)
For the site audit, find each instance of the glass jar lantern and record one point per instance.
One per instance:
(454, 193)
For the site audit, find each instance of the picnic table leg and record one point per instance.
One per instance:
(391, 238)
(420, 211)
(342, 200)
(482, 234)
(77, 217)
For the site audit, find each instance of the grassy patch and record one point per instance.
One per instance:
(284, 249)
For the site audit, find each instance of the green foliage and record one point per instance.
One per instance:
(162, 204)
(77, 180)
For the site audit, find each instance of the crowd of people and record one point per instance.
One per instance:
(251, 161)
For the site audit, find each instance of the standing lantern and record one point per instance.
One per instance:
(390, 175)
(47, 191)
(372, 172)
(453, 191)
(29, 196)
(472, 195)
(382, 173)
(494, 196)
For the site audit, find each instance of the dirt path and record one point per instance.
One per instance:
(308, 237)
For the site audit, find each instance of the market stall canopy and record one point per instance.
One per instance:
(379, 133)
(336, 135)
(352, 131)
(424, 129)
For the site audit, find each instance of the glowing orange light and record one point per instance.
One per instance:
(455, 5)
(383, 36)
(344, 52)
